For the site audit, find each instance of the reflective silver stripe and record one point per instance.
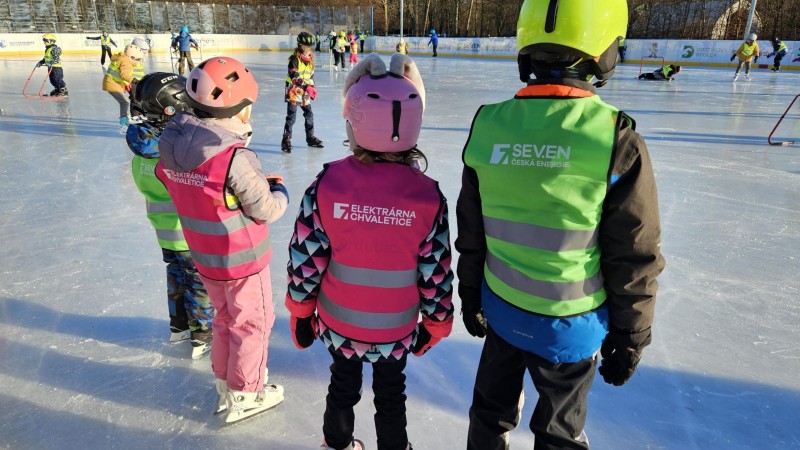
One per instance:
(372, 277)
(370, 320)
(539, 237)
(170, 235)
(558, 291)
(214, 228)
(232, 260)
(160, 207)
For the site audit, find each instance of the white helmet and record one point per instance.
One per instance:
(141, 43)
(752, 36)
(134, 52)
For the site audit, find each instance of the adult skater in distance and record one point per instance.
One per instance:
(665, 73)
(105, 45)
(549, 271)
(225, 203)
(360, 282)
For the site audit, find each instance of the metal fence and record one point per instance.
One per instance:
(129, 16)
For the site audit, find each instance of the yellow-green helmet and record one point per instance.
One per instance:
(49, 37)
(587, 26)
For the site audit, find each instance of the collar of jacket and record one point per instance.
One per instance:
(557, 87)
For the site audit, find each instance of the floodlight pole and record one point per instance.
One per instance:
(401, 19)
(750, 18)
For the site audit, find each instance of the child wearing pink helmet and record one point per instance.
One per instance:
(371, 252)
(225, 203)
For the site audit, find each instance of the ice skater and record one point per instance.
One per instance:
(665, 73)
(371, 252)
(746, 53)
(159, 97)
(119, 78)
(300, 91)
(225, 203)
(556, 276)
(105, 45)
(779, 50)
(184, 43)
(52, 60)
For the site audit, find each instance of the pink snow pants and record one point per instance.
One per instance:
(241, 327)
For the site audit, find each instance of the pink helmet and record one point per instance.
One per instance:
(221, 87)
(383, 111)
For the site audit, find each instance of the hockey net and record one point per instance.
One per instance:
(658, 60)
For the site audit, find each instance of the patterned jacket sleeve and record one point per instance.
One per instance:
(309, 255)
(435, 280)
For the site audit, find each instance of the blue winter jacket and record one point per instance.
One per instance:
(434, 39)
(184, 40)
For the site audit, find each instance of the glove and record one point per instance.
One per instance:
(621, 353)
(424, 341)
(128, 87)
(733, 56)
(475, 323)
(755, 59)
(38, 64)
(304, 330)
(275, 186)
(274, 178)
(312, 92)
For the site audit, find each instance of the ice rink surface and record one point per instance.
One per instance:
(84, 361)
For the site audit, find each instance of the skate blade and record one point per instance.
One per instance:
(199, 352)
(180, 336)
(243, 416)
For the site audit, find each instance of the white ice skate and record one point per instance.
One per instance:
(747, 77)
(242, 405)
(736, 76)
(201, 343)
(179, 336)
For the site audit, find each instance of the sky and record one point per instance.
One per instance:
(85, 360)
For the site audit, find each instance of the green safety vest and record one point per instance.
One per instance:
(105, 41)
(48, 57)
(781, 46)
(305, 70)
(160, 208)
(138, 70)
(542, 184)
(113, 72)
(748, 50)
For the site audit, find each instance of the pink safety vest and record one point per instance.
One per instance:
(225, 243)
(376, 218)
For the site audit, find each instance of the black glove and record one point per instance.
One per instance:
(733, 56)
(303, 331)
(621, 352)
(38, 64)
(474, 322)
(755, 60)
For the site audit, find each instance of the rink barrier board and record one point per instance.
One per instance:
(709, 53)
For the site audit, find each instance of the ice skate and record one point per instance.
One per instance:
(736, 76)
(178, 335)
(62, 92)
(201, 343)
(355, 445)
(314, 141)
(747, 77)
(286, 144)
(775, 69)
(242, 405)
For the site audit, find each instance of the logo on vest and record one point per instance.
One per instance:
(549, 156)
(373, 214)
(187, 178)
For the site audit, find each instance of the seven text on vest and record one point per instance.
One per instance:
(544, 155)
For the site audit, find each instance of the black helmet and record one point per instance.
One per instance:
(160, 96)
(305, 38)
